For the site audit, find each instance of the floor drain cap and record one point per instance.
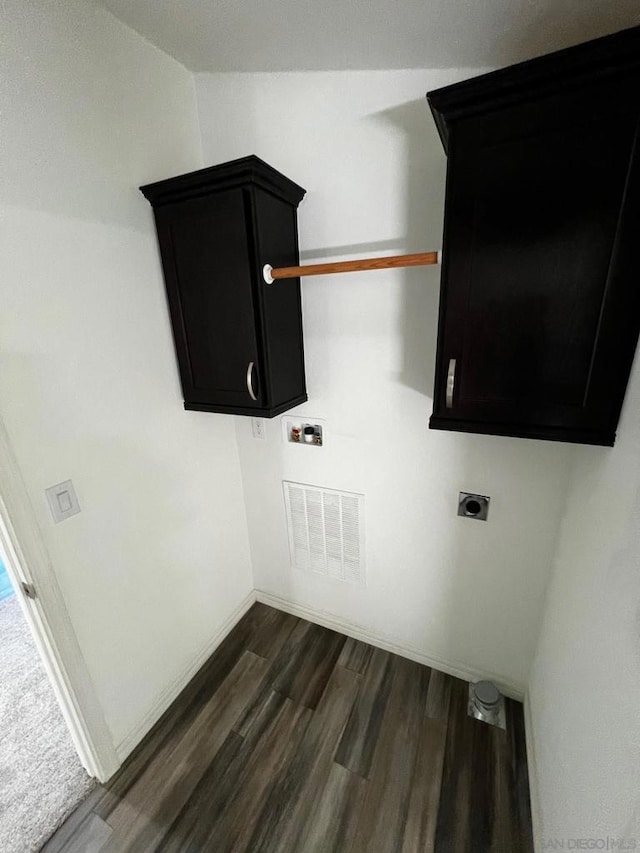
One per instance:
(486, 704)
(486, 694)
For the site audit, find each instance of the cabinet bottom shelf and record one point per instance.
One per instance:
(251, 411)
(544, 433)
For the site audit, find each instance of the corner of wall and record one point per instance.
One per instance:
(534, 788)
(530, 732)
(571, 463)
(238, 424)
(171, 692)
(196, 103)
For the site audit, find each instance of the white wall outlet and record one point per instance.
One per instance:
(258, 428)
(63, 501)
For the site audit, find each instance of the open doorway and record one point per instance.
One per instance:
(6, 587)
(53, 736)
(41, 777)
(26, 560)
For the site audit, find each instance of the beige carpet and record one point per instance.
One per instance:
(41, 778)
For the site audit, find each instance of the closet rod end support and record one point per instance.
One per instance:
(266, 274)
(439, 256)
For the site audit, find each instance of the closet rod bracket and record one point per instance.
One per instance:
(266, 274)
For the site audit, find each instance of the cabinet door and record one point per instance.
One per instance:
(205, 252)
(538, 205)
(280, 305)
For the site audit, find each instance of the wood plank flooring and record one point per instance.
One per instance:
(296, 739)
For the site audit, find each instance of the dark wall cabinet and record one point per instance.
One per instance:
(238, 341)
(540, 293)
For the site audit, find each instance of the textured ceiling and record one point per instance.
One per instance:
(300, 35)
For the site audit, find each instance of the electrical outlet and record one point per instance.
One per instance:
(258, 428)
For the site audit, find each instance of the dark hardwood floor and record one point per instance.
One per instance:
(296, 739)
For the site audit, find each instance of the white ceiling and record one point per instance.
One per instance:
(299, 35)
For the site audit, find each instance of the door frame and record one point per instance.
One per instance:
(26, 558)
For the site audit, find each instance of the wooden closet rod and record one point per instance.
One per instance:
(422, 259)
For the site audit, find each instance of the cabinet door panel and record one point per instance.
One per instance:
(205, 250)
(277, 241)
(531, 224)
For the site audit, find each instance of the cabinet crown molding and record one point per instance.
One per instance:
(242, 172)
(590, 64)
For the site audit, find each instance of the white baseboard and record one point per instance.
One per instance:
(534, 788)
(328, 620)
(390, 644)
(173, 690)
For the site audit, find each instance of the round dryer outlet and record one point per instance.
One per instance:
(473, 506)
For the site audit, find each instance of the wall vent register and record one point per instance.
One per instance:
(326, 531)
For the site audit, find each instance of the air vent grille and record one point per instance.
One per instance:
(326, 531)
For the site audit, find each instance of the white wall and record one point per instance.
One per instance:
(584, 692)
(462, 593)
(158, 558)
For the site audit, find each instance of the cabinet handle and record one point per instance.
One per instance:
(451, 382)
(250, 381)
